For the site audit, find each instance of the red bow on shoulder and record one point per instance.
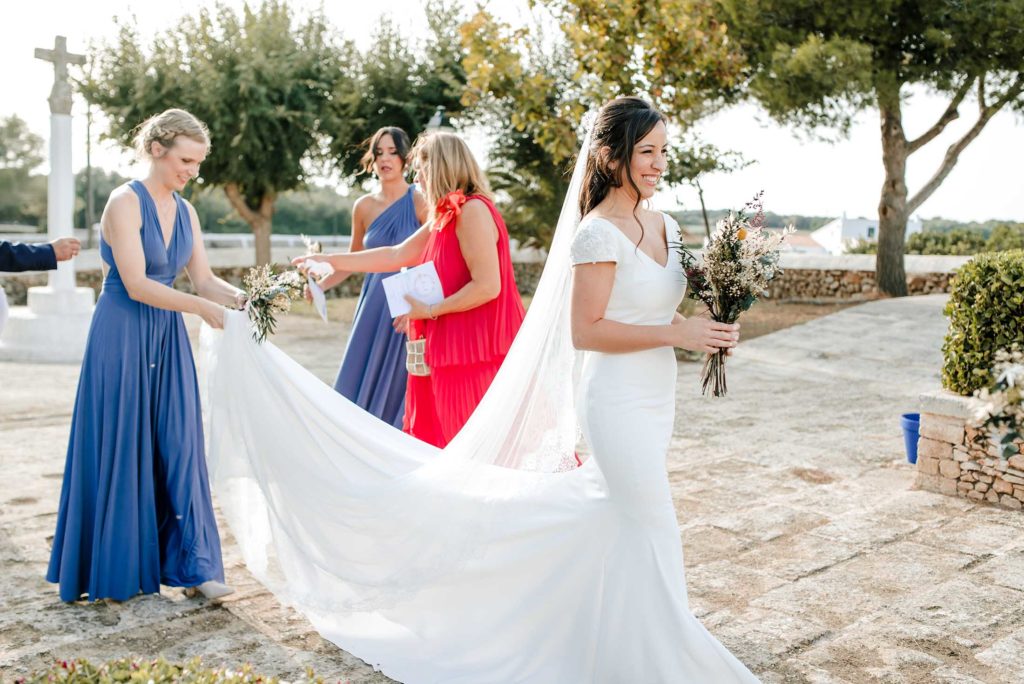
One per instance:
(448, 208)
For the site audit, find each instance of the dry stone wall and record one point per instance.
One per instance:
(956, 459)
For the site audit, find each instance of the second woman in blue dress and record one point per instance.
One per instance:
(372, 373)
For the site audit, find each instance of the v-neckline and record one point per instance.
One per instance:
(156, 212)
(664, 222)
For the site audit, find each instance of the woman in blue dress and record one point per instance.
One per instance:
(372, 373)
(135, 509)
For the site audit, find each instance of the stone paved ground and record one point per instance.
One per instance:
(808, 554)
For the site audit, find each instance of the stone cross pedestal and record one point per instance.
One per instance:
(54, 325)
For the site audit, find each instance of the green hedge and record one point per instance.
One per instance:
(986, 313)
(158, 671)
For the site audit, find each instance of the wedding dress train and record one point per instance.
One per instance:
(495, 560)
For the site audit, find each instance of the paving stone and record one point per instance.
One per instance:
(967, 534)
(864, 530)
(727, 584)
(793, 558)
(765, 637)
(704, 543)
(1005, 570)
(769, 522)
(963, 608)
(1006, 656)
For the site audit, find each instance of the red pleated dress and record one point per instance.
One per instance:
(465, 349)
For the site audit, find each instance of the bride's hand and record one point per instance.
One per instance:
(704, 335)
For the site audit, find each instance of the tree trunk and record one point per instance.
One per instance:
(892, 207)
(703, 209)
(260, 220)
(261, 230)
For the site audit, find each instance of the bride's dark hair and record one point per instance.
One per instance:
(620, 125)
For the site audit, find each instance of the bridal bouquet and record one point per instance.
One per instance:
(739, 261)
(1001, 404)
(270, 294)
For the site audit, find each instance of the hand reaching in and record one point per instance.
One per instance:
(66, 248)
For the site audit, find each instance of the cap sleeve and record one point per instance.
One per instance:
(594, 243)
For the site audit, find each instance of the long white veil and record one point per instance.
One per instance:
(336, 511)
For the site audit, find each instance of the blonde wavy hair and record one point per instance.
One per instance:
(448, 165)
(165, 127)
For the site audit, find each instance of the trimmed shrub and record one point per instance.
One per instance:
(158, 671)
(986, 314)
(958, 242)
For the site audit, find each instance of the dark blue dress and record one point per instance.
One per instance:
(372, 373)
(135, 509)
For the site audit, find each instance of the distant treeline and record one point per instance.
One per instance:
(320, 210)
(315, 210)
(958, 241)
(694, 217)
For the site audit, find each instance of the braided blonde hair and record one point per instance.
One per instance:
(164, 127)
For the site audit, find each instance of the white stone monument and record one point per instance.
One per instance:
(54, 325)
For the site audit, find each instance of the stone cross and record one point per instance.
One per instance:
(60, 96)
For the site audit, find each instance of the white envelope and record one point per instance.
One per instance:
(421, 282)
(319, 300)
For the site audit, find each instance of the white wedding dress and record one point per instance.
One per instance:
(494, 560)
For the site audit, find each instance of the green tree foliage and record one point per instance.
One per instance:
(20, 148)
(262, 80)
(22, 195)
(532, 85)
(1005, 237)
(311, 210)
(958, 242)
(103, 183)
(816, 65)
(399, 82)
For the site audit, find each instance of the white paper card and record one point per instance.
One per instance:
(319, 300)
(421, 282)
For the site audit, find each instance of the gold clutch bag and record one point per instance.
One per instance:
(415, 362)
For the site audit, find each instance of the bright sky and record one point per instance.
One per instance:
(799, 175)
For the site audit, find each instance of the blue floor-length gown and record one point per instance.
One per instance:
(135, 508)
(372, 373)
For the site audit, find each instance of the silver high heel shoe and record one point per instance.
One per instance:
(211, 589)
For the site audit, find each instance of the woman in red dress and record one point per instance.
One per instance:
(468, 334)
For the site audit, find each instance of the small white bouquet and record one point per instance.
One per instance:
(271, 293)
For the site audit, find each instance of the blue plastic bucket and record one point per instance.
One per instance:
(911, 423)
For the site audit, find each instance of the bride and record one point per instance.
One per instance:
(495, 559)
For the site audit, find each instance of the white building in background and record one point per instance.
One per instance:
(802, 242)
(838, 235)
